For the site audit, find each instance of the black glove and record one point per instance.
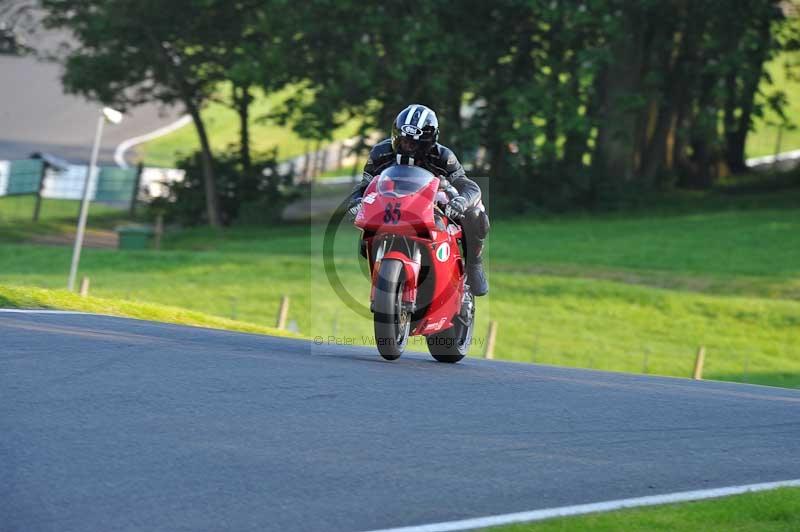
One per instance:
(456, 207)
(352, 211)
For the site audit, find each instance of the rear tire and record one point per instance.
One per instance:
(392, 323)
(452, 345)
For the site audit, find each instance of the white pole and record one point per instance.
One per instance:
(76, 251)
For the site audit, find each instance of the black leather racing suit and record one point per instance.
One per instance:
(440, 160)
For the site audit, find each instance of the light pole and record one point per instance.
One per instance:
(115, 117)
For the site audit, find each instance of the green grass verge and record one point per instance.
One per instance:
(24, 297)
(19, 209)
(753, 512)
(637, 293)
(222, 124)
(55, 217)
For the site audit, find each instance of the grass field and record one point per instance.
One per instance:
(55, 217)
(19, 210)
(754, 512)
(223, 127)
(39, 298)
(634, 293)
(763, 140)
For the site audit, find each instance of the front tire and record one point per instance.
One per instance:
(392, 322)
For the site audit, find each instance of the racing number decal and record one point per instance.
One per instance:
(392, 213)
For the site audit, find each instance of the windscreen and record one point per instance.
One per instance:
(402, 180)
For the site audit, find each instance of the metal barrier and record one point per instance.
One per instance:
(24, 177)
(121, 187)
(108, 184)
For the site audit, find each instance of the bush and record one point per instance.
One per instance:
(257, 197)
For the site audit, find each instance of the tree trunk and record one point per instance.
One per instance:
(454, 125)
(680, 143)
(615, 150)
(207, 159)
(556, 51)
(679, 68)
(242, 100)
(189, 99)
(575, 146)
(737, 128)
(577, 135)
(497, 149)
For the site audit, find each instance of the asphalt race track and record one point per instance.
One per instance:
(118, 424)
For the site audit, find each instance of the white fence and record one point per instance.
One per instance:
(5, 168)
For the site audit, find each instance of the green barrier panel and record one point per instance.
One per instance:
(24, 177)
(116, 184)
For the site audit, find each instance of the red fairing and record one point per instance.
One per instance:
(448, 274)
(399, 222)
(407, 215)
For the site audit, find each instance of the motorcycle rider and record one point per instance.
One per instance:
(415, 133)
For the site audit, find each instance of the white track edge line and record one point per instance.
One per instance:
(125, 145)
(581, 509)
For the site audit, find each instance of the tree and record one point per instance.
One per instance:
(17, 21)
(144, 51)
(752, 43)
(562, 103)
(253, 37)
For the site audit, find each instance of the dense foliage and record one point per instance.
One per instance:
(17, 20)
(176, 52)
(568, 102)
(562, 103)
(250, 195)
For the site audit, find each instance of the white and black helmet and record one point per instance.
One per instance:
(415, 131)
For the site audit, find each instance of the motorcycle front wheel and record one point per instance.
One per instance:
(392, 322)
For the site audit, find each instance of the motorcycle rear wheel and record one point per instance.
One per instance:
(392, 323)
(451, 345)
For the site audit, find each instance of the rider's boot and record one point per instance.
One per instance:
(476, 227)
(476, 277)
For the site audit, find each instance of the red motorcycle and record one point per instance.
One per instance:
(418, 275)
